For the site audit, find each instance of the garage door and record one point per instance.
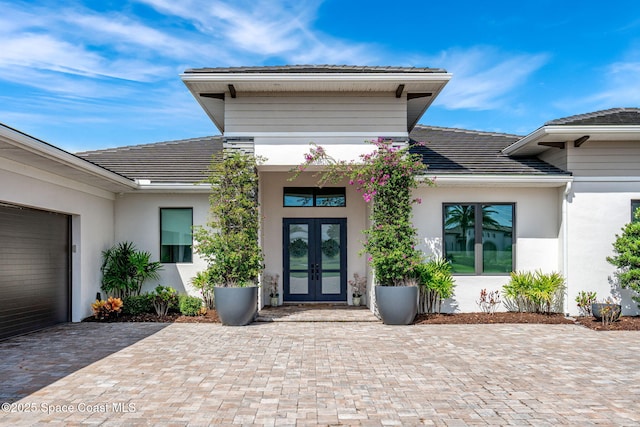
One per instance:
(34, 269)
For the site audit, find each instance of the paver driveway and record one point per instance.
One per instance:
(322, 374)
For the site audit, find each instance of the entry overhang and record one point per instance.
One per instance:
(210, 86)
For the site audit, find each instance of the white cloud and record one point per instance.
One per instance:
(266, 29)
(622, 86)
(618, 85)
(483, 77)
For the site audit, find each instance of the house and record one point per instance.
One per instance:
(551, 200)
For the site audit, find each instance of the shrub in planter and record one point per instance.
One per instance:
(190, 306)
(230, 243)
(627, 257)
(137, 304)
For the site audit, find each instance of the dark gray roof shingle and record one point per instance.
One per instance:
(316, 69)
(445, 151)
(613, 116)
(183, 161)
(459, 151)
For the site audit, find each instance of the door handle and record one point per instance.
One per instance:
(317, 271)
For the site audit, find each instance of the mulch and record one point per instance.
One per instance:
(485, 318)
(626, 323)
(210, 317)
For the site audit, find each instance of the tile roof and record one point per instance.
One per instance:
(459, 151)
(316, 69)
(613, 116)
(445, 151)
(183, 161)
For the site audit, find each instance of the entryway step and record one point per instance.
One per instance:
(316, 313)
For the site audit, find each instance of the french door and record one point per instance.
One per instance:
(315, 259)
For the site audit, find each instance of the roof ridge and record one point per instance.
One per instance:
(592, 114)
(315, 68)
(151, 144)
(477, 132)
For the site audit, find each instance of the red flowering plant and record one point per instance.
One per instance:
(386, 178)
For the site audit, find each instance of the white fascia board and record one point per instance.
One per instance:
(606, 179)
(561, 130)
(500, 180)
(318, 134)
(144, 187)
(44, 149)
(531, 138)
(314, 77)
(593, 130)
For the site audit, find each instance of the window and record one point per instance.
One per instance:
(635, 204)
(314, 197)
(478, 237)
(175, 235)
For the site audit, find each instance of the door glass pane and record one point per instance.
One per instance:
(459, 237)
(331, 282)
(298, 246)
(299, 282)
(330, 246)
(497, 238)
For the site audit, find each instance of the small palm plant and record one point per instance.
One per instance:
(125, 268)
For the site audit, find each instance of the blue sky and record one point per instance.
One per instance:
(84, 75)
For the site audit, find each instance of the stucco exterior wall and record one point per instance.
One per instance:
(273, 212)
(137, 219)
(537, 233)
(92, 212)
(597, 212)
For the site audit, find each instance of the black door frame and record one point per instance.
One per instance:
(314, 262)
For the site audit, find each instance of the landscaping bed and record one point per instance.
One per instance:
(626, 323)
(210, 317)
(485, 318)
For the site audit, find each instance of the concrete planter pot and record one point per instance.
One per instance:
(597, 310)
(274, 301)
(356, 301)
(236, 306)
(397, 305)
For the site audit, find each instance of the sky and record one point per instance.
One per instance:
(85, 75)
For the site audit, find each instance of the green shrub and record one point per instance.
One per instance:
(627, 257)
(137, 304)
(436, 284)
(584, 300)
(163, 298)
(534, 292)
(202, 281)
(190, 306)
(124, 269)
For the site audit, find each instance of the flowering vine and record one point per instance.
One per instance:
(385, 177)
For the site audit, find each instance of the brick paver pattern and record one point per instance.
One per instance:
(313, 373)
